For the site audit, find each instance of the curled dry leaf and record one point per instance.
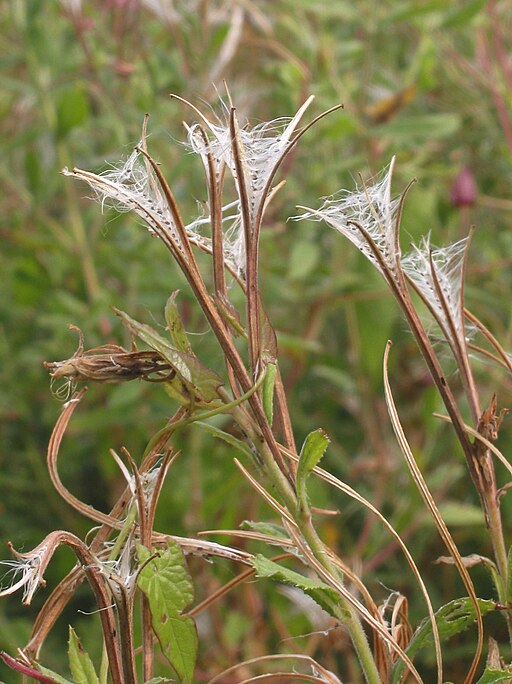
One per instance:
(469, 561)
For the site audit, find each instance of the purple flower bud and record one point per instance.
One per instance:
(464, 190)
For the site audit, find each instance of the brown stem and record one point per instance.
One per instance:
(175, 212)
(191, 272)
(458, 346)
(481, 467)
(52, 456)
(98, 585)
(215, 194)
(61, 595)
(124, 604)
(283, 414)
(251, 248)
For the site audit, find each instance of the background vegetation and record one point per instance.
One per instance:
(428, 81)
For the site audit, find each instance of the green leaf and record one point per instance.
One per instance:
(175, 325)
(452, 618)
(177, 359)
(423, 69)
(269, 529)
(226, 437)
(492, 675)
(326, 597)
(80, 664)
(374, 319)
(57, 678)
(313, 449)
(195, 382)
(166, 583)
(268, 339)
(230, 315)
(267, 391)
(236, 627)
(297, 346)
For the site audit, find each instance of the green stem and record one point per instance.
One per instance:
(228, 406)
(344, 611)
(494, 523)
(123, 533)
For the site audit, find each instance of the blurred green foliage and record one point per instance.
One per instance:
(425, 80)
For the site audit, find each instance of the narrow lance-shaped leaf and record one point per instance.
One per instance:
(270, 529)
(226, 437)
(495, 670)
(80, 664)
(321, 593)
(41, 674)
(166, 583)
(451, 619)
(48, 676)
(200, 382)
(175, 325)
(492, 675)
(229, 315)
(313, 449)
(148, 335)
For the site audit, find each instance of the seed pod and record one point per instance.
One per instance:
(111, 363)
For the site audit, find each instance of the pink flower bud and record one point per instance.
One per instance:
(464, 190)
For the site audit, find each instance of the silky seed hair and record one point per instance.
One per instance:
(371, 207)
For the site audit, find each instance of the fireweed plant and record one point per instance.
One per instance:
(132, 567)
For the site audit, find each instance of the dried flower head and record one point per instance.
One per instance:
(233, 238)
(109, 363)
(26, 571)
(123, 571)
(33, 564)
(252, 155)
(134, 186)
(369, 218)
(437, 274)
(262, 148)
(112, 363)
